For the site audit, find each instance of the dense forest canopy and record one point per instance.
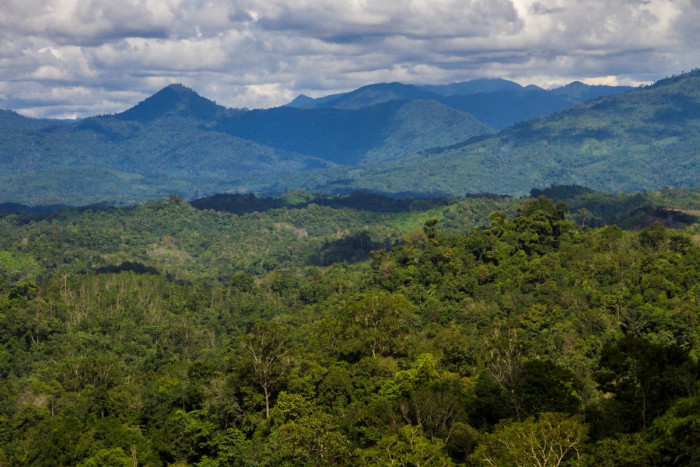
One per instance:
(305, 330)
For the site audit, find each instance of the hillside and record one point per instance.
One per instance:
(218, 236)
(10, 120)
(376, 94)
(497, 102)
(643, 139)
(164, 142)
(352, 136)
(179, 142)
(475, 86)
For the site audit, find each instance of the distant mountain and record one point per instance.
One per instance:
(168, 146)
(374, 94)
(391, 137)
(421, 124)
(174, 100)
(505, 107)
(350, 137)
(10, 120)
(302, 101)
(643, 139)
(165, 144)
(502, 109)
(475, 86)
(497, 102)
(581, 92)
(177, 141)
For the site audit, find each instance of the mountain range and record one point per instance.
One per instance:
(497, 102)
(643, 139)
(177, 141)
(393, 138)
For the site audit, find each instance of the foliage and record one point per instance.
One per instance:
(150, 335)
(549, 440)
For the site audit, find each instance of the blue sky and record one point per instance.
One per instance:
(75, 58)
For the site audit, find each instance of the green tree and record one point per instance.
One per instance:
(114, 457)
(547, 440)
(407, 447)
(644, 378)
(312, 439)
(377, 321)
(674, 438)
(268, 347)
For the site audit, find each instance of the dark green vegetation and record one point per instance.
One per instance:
(643, 139)
(384, 131)
(251, 331)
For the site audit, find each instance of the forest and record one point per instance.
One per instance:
(556, 329)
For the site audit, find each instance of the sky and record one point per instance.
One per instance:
(77, 58)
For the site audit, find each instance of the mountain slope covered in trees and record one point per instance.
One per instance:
(497, 102)
(179, 142)
(643, 139)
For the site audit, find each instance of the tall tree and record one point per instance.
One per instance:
(268, 346)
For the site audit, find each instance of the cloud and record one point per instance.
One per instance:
(352, 21)
(258, 53)
(89, 22)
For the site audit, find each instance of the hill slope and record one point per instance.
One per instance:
(376, 94)
(10, 120)
(352, 136)
(647, 138)
(474, 86)
(179, 142)
(497, 102)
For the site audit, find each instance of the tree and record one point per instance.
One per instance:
(407, 447)
(644, 378)
(309, 440)
(540, 225)
(543, 386)
(545, 441)
(113, 457)
(377, 320)
(268, 346)
(674, 438)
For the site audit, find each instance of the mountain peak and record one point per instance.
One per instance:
(581, 92)
(174, 99)
(475, 86)
(180, 90)
(379, 93)
(302, 101)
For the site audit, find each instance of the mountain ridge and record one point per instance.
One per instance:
(647, 138)
(180, 138)
(497, 102)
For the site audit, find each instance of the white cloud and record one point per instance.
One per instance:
(161, 55)
(259, 53)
